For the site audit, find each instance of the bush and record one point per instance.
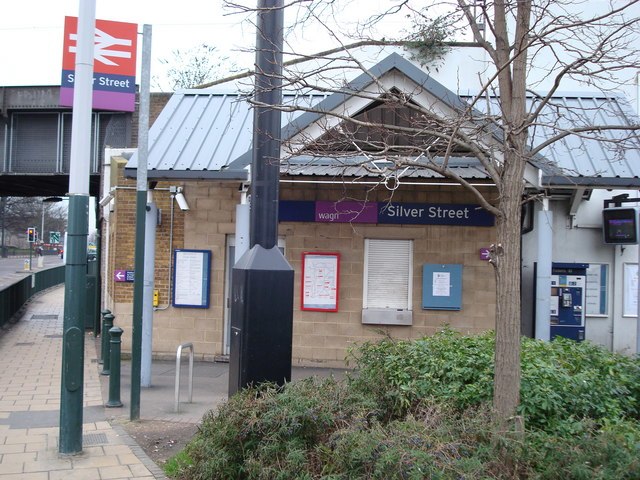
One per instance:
(259, 430)
(562, 380)
(421, 409)
(454, 369)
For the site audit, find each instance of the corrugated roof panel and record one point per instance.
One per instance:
(159, 134)
(175, 136)
(581, 155)
(209, 131)
(238, 134)
(359, 166)
(194, 130)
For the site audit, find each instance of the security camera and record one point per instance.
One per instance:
(182, 202)
(104, 201)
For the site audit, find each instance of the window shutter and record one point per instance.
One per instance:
(388, 274)
(34, 142)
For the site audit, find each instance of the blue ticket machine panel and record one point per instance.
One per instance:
(568, 284)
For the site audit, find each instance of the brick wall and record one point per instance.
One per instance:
(319, 337)
(324, 337)
(157, 101)
(121, 255)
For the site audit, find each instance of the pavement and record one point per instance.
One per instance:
(30, 372)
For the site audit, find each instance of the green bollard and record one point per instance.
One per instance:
(114, 378)
(108, 324)
(103, 332)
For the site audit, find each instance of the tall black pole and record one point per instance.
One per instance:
(262, 280)
(265, 162)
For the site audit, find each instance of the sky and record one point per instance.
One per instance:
(31, 33)
(34, 31)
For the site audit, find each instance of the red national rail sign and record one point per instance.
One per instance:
(114, 66)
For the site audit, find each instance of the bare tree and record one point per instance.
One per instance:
(20, 213)
(195, 66)
(533, 48)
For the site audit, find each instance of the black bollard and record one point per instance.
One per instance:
(114, 377)
(103, 332)
(108, 324)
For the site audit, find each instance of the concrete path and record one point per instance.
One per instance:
(30, 371)
(30, 364)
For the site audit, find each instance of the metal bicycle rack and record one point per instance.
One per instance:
(177, 388)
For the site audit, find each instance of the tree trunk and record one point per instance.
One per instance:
(513, 83)
(506, 388)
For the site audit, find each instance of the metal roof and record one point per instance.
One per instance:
(206, 134)
(598, 157)
(363, 167)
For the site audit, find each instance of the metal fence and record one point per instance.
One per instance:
(13, 297)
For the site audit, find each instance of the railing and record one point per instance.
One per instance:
(13, 297)
(178, 360)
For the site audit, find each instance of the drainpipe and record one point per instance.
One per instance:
(147, 294)
(242, 224)
(543, 272)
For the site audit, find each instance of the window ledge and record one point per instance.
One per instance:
(386, 316)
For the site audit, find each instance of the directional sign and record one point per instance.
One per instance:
(485, 254)
(54, 237)
(123, 276)
(114, 76)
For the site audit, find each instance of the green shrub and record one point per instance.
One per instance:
(565, 379)
(259, 430)
(562, 380)
(421, 409)
(611, 452)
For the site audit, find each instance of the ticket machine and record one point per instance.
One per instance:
(568, 284)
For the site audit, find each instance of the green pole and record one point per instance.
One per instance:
(75, 287)
(75, 284)
(103, 336)
(106, 337)
(141, 212)
(138, 290)
(114, 379)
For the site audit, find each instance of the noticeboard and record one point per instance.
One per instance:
(191, 274)
(320, 281)
(441, 287)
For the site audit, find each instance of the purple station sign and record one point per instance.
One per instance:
(123, 275)
(344, 211)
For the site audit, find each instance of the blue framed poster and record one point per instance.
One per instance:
(442, 286)
(191, 272)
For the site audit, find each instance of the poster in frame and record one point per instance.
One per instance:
(320, 281)
(191, 278)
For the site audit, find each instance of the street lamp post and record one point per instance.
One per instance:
(42, 224)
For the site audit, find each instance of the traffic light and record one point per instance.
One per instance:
(31, 234)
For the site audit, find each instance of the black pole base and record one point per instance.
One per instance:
(261, 319)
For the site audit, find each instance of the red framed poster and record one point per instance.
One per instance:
(320, 281)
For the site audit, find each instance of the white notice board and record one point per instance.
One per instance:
(191, 278)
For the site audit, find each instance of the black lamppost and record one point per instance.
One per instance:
(262, 280)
